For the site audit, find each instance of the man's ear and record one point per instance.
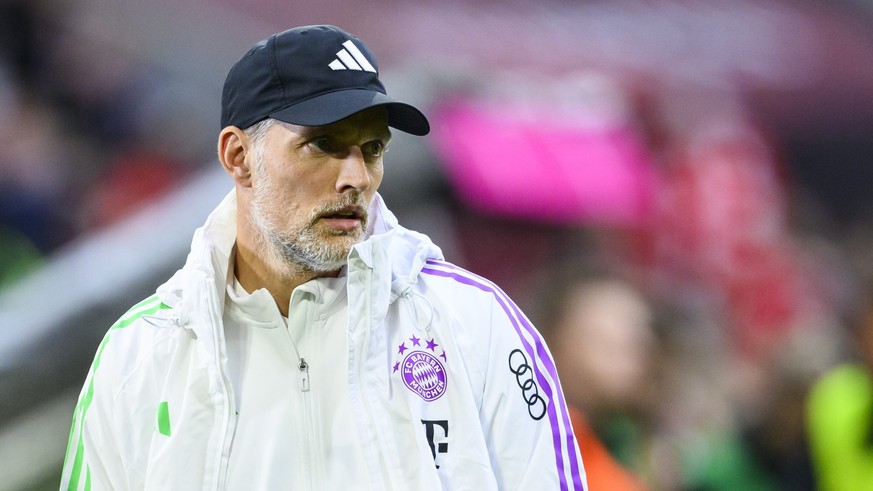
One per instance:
(233, 146)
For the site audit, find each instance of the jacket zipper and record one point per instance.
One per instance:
(304, 385)
(307, 423)
(303, 375)
(227, 418)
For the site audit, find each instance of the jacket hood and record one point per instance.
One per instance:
(395, 249)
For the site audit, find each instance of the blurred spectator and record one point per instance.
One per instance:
(724, 246)
(132, 181)
(79, 125)
(701, 443)
(20, 22)
(723, 221)
(840, 414)
(652, 389)
(600, 332)
(37, 171)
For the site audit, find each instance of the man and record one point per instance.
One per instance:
(310, 341)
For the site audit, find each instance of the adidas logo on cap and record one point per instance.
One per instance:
(351, 58)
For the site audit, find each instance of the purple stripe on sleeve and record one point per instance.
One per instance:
(515, 315)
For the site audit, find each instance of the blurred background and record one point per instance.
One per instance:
(676, 192)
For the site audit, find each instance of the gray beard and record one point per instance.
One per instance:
(305, 251)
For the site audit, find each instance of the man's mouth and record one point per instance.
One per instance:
(345, 219)
(352, 212)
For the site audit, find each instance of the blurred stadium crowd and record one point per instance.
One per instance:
(84, 130)
(695, 274)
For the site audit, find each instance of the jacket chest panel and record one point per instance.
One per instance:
(432, 402)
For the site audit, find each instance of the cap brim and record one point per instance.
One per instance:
(334, 106)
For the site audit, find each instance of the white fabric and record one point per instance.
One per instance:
(305, 439)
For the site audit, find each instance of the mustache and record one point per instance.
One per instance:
(354, 205)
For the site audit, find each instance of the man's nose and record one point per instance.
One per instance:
(353, 172)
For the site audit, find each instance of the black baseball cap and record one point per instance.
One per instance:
(310, 76)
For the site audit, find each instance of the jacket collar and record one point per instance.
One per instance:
(395, 254)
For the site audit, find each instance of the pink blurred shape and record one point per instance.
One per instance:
(538, 165)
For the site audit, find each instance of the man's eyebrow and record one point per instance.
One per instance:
(310, 130)
(307, 131)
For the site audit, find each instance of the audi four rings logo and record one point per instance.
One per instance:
(536, 405)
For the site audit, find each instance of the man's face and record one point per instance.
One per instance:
(312, 186)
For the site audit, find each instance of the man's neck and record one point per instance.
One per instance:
(256, 269)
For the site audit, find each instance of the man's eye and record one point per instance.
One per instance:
(323, 144)
(374, 148)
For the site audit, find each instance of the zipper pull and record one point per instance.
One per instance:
(304, 375)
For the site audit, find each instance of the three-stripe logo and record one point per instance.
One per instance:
(351, 58)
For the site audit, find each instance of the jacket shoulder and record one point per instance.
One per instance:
(462, 284)
(131, 337)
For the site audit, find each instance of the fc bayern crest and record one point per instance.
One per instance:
(422, 370)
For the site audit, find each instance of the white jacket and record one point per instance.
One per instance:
(482, 411)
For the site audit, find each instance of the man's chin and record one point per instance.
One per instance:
(318, 263)
(331, 256)
(319, 249)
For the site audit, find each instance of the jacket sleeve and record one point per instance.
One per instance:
(96, 453)
(527, 424)
(93, 460)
